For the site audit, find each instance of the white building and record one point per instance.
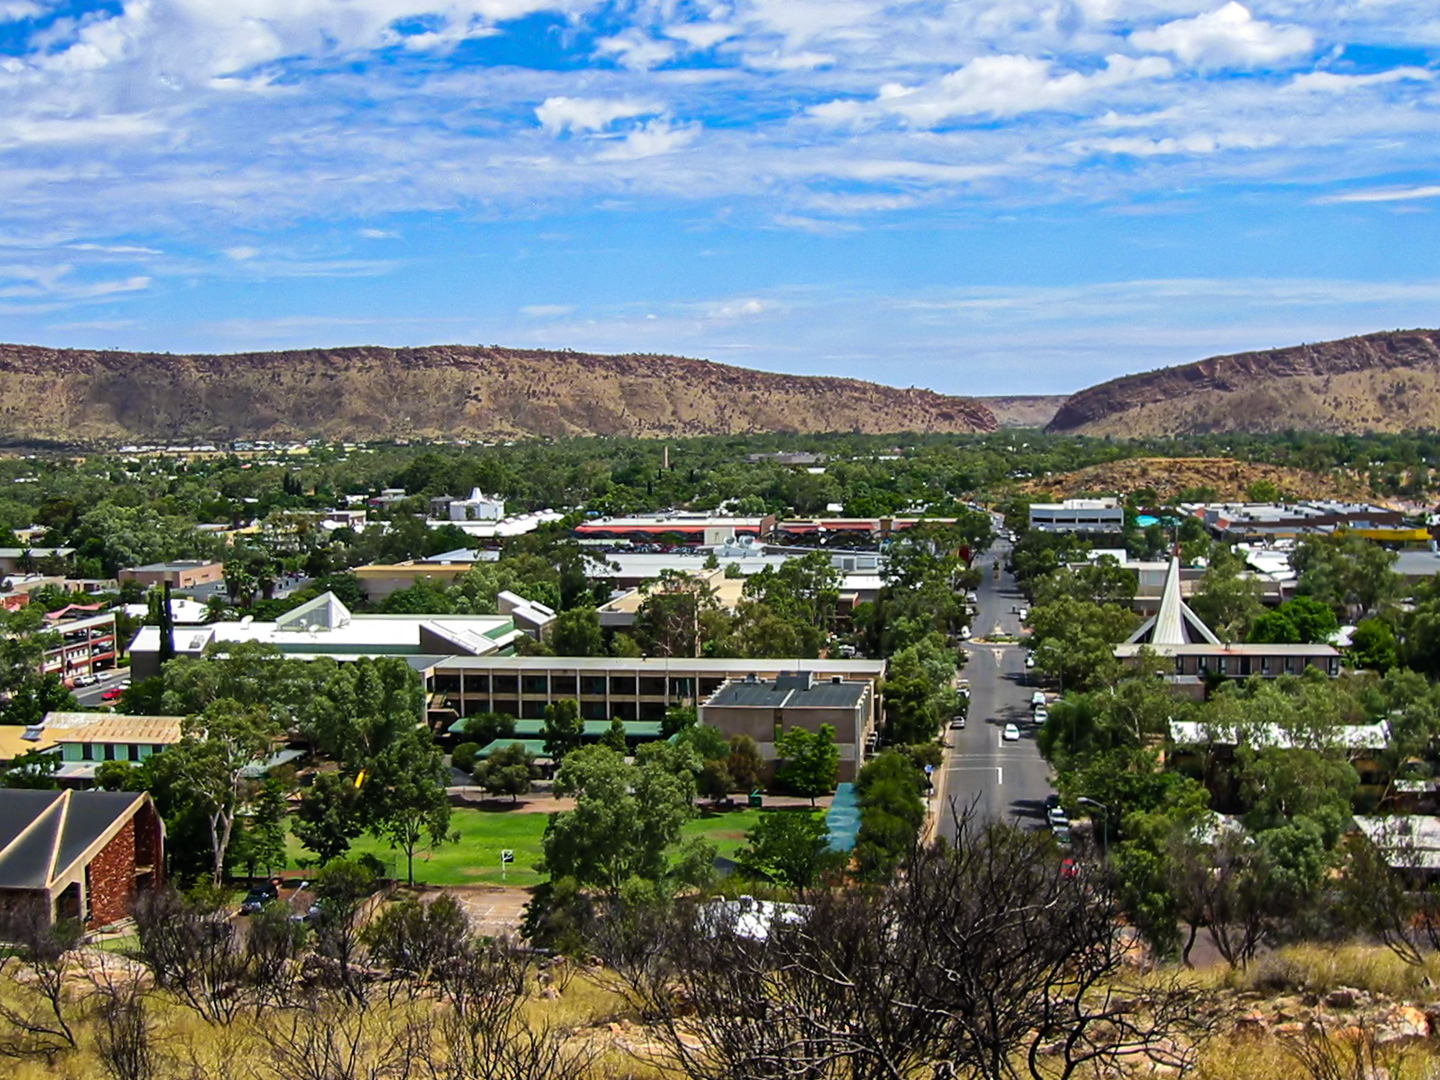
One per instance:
(477, 507)
(1078, 516)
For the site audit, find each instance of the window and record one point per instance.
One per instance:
(592, 685)
(535, 684)
(1289, 665)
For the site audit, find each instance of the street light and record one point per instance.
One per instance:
(1105, 825)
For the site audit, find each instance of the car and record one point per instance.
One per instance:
(1051, 800)
(113, 694)
(1057, 818)
(86, 680)
(1041, 715)
(957, 724)
(964, 633)
(1011, 733)
(1024, 614)
(1037, 699)
(1068, 869)
(258, 897)
(1029, 662)
(1061, 833)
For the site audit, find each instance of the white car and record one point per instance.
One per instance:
(1041, 715)
(1012, 733)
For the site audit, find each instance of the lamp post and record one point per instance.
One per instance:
(1105, 824)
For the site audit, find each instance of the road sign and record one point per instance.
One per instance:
(506, 855)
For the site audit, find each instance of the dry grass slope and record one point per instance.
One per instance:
(1385, 382)
(74, 396)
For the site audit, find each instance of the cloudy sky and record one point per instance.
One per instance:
(982, 196)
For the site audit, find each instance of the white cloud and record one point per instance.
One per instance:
(1329, 82)
(242, 254)
(653, 138)
(546, 311)
(1227, 37)
(380, 234)
(1384, 195)
(15, 10)
(636, 50)
(701, 35)
(561, 114)
(778, 61)
(996, 86)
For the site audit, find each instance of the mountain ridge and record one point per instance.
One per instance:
(1384, 382)
(376, 393)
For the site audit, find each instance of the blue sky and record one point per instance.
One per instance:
(983, 196)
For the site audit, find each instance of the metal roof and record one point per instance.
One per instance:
(44, 833)
(766, 695)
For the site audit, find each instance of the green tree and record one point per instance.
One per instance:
(577, 633)
(790, 847)
(564, 730)
(889, 791)
(1373, 646)
(626, 820)
(510, 770)
(668, 620)
(1228, 600)
(485, 728)
(1349, 574)
(1273, 628)
(216, 751)
(412, 808)
(809, 761)
(266, 826)
(34, 769)
(330, 816)
(614, 737)
(745, 766)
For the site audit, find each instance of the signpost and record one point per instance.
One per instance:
(507, 856)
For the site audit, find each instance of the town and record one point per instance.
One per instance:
(338, 724)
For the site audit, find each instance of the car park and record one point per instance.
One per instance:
(1011, 733)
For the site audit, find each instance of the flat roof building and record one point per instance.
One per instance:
(1078, 516)
(180, 574)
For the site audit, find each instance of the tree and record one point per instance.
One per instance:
(330, 816)
(889, 792)
(564, 730)
(678, 718)
(1347, 573)
(1228, 600)
(790, 847)
(668, 620)
(34, 769)
(744, 766)
(809, 761)
(1373, 646)
(510, 770)
(485, 728)
(412, 806)
(32, 699)
(217, 749)
(614, 737)
(625, 821)
(1273, 628)
(267, 826)
(577, 633)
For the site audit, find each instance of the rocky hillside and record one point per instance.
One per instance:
(1379, 382)
(1168, 477)
(73, 396)
(1024, 411)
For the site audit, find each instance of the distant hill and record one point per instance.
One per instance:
(72, 396)
(1169, 477)
(1024, 411)
(1385, 382)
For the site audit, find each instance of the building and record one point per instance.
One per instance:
(325, 627)
(765, 709)
(81, 855)
(812, 531)
(86, 642)
(606, 687)
(477, 507)
(1278, 521)
(1189, 653)
(28, 560)
(183, 611)
(1078, 516)
(690, 528)
(84, 740)
(180, 574)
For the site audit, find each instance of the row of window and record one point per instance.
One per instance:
(1245, 666)
(571, 686)
(534, 708)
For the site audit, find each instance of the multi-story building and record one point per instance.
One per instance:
(85, 645)
(610, 687)
(1078, 516)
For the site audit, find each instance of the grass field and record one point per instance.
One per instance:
(484, 833)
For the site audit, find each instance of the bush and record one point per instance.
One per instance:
(463, 756)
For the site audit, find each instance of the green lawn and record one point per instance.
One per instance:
(483, 833)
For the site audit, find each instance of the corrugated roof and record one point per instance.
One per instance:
(155, 730)
(765, 695)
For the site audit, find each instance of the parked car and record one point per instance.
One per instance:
(1041, 715)
(1057, 818)
(1029, 661)
(86, 680)
(1012, 733)
(258, 897)
(1068, 869)
(1051, 800)
(113, 694)
(957, 724)
(1037, 699)
(1062, 835)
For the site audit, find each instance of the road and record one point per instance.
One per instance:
(90, 696)
(1002, 780)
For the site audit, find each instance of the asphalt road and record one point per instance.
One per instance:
(1000, 779)
(89, 696)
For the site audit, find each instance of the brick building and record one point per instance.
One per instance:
(81, 855)
(181, 574)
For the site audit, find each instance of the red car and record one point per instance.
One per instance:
(112, 694)
(1068, 869)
